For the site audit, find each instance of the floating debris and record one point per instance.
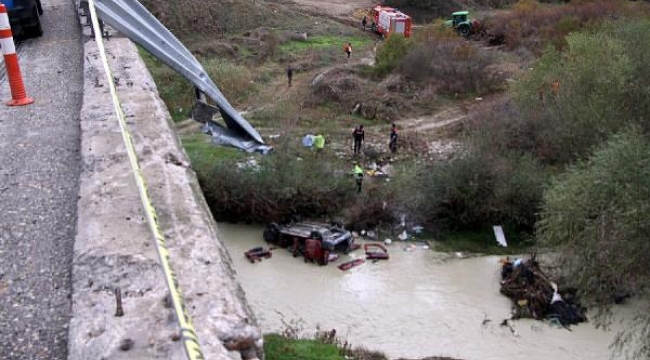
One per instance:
(535, 296)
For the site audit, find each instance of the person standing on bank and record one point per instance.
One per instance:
(364, 22)
(392, 143)
(289, 74)
(358, 136)
(348, 49)
(319, 142)
(357, 171)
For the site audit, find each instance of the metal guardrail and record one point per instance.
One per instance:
(133, 20)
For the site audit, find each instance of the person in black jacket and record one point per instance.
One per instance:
(289, 74)
(392, 143)
(358, 136)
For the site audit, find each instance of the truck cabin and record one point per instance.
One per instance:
(459, 17)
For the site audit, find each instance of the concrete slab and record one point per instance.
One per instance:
(114, 247)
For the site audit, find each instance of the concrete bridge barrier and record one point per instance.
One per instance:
(114, 249)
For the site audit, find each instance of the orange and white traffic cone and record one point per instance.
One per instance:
(18, 95)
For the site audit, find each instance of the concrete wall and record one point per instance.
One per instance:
(114, 247)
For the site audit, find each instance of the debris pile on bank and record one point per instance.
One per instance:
(535, 296)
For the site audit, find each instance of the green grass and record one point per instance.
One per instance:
(203, 153)
(233, 80)
(481, 243)
(278, 347)
(176, 91)
(325, 42)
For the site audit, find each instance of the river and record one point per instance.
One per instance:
(419, 303)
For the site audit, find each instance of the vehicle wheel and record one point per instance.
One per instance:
(464, 30)
(35, 30)
(271, 233)
(39, 6)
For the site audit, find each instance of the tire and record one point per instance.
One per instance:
(35, 30)
(464, 30)
(271, 233)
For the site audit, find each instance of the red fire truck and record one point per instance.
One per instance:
(388, 21)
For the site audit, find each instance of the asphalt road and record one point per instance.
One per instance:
(39, 180)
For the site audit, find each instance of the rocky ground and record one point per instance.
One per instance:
(39, 148)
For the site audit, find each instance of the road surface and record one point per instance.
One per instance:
(39, 177)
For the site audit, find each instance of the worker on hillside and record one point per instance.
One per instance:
(319, 142)
(357, 171)
(392, 143)
(348, 49)
(358, 136)
(289, 74)
(364, 22)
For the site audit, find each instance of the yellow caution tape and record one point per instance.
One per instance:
(188, 334)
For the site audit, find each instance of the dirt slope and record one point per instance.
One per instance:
(336, 7)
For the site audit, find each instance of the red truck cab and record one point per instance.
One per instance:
(388, 21)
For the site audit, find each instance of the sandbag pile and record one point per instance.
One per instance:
(535, 296)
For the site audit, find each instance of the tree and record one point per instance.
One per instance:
(596, 214)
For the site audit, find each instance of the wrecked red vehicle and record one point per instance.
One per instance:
(315, 241)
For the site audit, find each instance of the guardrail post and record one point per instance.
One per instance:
(18, 94)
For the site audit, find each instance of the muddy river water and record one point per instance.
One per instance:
(419, 303)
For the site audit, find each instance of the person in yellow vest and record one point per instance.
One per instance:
(357, 171)
(319, 142)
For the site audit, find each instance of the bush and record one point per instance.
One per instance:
(481, 189)
(573, 100)
(597, 214)
(453, 65)
(535, 27)
(272, 187)
(233, 80)
(390, 53)
(578, 98)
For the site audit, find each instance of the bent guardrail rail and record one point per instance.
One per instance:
(133, 20)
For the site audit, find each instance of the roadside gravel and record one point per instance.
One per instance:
(39, 179)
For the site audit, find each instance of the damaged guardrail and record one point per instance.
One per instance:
(133, 20)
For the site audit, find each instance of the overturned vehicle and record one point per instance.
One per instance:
(317, 242)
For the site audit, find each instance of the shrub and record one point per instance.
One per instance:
(481, 189)
(390, 53)
(579, 97)
(233, 80)
(273, 187)
(597, 214)
(636, 42)
(453, 65)
(535, 26)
